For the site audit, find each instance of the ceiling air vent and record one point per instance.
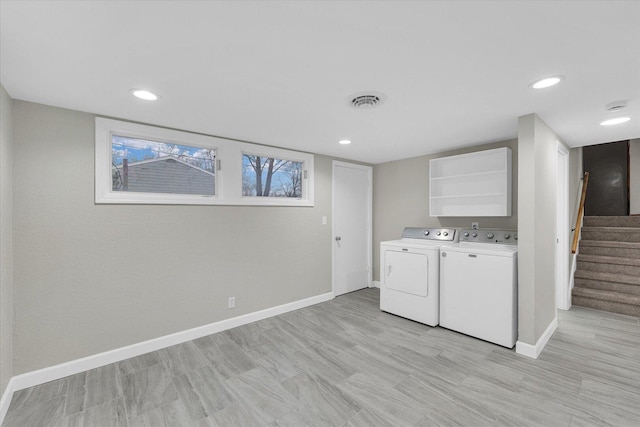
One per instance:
(616, 106)
(366, 100)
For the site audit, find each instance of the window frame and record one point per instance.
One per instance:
(228, 170)
(285, 155)
(165, 141)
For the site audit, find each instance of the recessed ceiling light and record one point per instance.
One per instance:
(144, 94)
(344, 142)
(616, 121)
(546, 82)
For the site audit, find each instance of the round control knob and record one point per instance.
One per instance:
(426, 232)
(466, 234)
(515, 236)
(445, 234)
(474, 235)
(438, 233)
(489, 235)
(506, 236)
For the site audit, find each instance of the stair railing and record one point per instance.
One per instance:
(576, 231)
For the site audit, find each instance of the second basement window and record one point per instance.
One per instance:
(264, 176)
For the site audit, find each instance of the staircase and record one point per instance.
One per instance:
(608, 270)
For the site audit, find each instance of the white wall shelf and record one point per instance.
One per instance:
(473, 184)
(468, 175)
(469, 195)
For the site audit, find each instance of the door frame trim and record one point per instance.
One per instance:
(562, 288)
(369, 170)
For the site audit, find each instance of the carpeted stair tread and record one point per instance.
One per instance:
(617, 234)
(601, 259)
(625, 288)
(610, 306)
(612, 221)
(616, 297)
(612, 229)
(610, 244)
(610, 248)
(608, 265)
(607, 277)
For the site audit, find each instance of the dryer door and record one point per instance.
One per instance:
(407, 272)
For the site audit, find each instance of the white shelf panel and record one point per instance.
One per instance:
(464, 196)
(467, 175)
(473, 184)
(476, 184)
(470, 163)
(469, 206)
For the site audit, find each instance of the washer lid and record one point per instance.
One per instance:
(480, 248)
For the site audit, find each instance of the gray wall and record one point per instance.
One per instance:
(90, 278)
(575, 185)
(6, 245)
(536, 227)
(634, 171)
(401, 198)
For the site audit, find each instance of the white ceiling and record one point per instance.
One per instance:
(281, 73)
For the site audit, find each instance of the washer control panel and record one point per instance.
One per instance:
(489, 236)
(444, 234)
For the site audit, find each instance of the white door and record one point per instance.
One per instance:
(351, 227)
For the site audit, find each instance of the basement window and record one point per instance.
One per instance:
(268, 176)
(140, 164)
(145, 166)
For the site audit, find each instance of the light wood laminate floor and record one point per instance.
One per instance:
(345, 363)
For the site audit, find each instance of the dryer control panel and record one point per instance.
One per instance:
(443, 234)
(503, 237)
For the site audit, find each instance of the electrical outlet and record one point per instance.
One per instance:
(324, 220)
(232, 302)
(475, 225)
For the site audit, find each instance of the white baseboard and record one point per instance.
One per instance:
(534, 351)
(375, 284)
(73, 367)
(5, 401)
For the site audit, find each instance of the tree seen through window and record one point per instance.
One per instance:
(271, 177)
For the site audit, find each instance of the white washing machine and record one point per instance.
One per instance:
(479, 285)
(409, 273)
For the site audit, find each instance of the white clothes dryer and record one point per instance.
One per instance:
(409, 273)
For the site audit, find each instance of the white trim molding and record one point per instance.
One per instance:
(375, 284)
(73, 367)
(563, 229)
(5, 401)
(574, 267)
(533, 351)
